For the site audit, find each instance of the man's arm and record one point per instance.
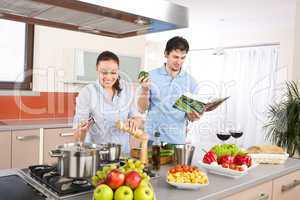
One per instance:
(143, 101)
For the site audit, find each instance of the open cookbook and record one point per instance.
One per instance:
(187, 103)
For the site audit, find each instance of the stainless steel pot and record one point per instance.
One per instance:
(184, 154)
(77, 160)
(110, 152)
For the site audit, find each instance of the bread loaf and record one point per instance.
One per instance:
(265, 149)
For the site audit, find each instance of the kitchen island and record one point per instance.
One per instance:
(219, 187)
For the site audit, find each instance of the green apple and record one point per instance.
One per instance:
(144, 182)
(143, 193)
(103, 192)
(124, 193)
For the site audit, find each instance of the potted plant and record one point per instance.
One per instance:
(283, 127)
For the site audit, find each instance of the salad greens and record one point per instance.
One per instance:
(227, 149)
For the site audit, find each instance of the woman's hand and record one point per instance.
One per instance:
(82, 129)
(133, 124)
(194, 116)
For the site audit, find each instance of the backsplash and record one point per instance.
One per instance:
(46, 105)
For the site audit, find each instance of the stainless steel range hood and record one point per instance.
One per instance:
(114, 18)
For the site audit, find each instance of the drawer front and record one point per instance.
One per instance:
(260, 192)
(54, 137)
(5, 149)
(287, 187)
(25, 148)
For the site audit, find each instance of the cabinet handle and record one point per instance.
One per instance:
(290, 186)
(263, 196)
(66, 134)
(29, 137)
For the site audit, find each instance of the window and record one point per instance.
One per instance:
(16, 53)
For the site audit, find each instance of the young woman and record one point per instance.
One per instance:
(108, 100)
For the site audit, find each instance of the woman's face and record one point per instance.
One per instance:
(108, 72)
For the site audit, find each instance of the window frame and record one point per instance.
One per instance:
(28, 65)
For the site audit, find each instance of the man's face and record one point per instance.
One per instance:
(108, 72)
(175, 60)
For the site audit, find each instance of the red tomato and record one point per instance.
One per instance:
(232, 166)
(225, 165)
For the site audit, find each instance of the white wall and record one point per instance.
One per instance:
(296, 69)
(54, 55)
(215, 23)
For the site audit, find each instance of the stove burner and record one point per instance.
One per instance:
(49, 176)
(80, 182)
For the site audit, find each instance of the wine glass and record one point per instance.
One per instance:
(223, 136)
(236, 133)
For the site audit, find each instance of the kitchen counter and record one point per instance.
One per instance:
(220, 186)
(35, 124)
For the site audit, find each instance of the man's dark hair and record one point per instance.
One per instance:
(175, 43)
(108, 55)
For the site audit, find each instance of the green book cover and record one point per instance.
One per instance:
(187, 104)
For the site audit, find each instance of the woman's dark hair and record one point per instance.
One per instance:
(175, 43)
(108, 55)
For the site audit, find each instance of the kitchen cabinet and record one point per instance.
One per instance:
(5, 149)
(25, 148)
(287, 187)
(260, 192)
(54, 137)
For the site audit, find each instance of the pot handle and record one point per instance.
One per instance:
(56, 154)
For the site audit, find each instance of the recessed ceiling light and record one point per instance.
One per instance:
(140, 21)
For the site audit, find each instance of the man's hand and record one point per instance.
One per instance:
(133, 124)
(194, 116)
(143, 99)
(145, 84)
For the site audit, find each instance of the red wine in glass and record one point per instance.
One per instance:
(236, 134)
(223, 136)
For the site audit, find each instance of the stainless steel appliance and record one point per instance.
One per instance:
(77, 160)
(117, 19)
(40, 183)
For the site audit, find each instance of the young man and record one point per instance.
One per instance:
(168, 83)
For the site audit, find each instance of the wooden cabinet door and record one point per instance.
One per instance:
(260, 192)
(54, 137)
(25, 148)
(287, 187)
(5, 149)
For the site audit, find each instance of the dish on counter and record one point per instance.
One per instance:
(218, 169)
(264, 158)
(267, 154)
(228, 160)
(186, 177)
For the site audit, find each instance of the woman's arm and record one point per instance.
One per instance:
(81, 124)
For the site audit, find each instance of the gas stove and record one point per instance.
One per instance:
(42, 183)
(49, 177)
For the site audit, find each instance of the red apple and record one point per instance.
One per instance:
(133, 179)
(115, 179)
